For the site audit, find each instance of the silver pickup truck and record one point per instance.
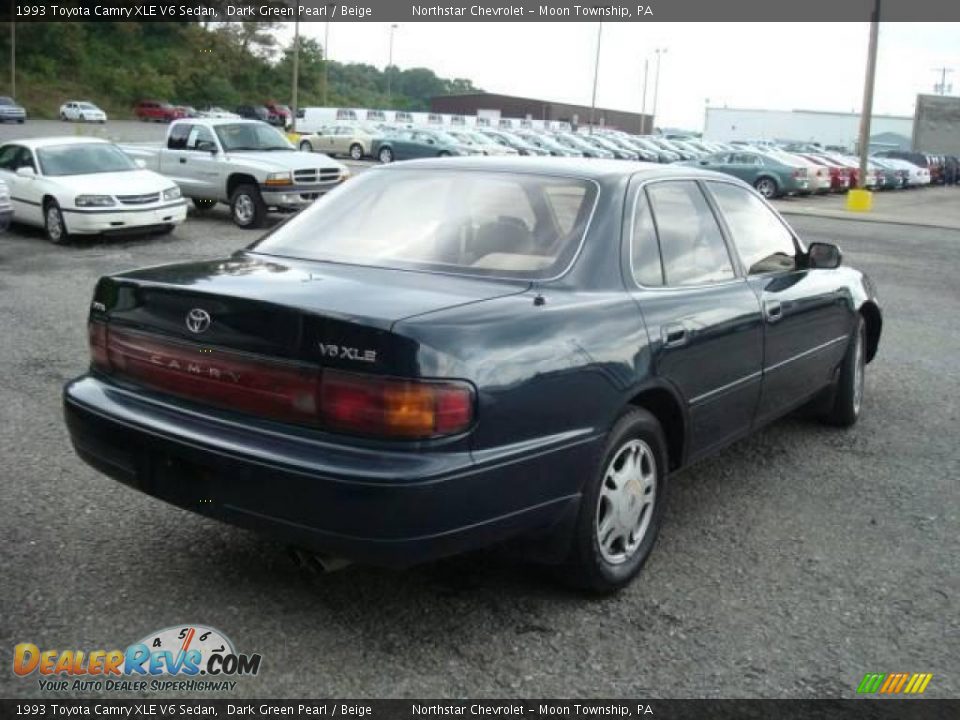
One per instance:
(245, 163)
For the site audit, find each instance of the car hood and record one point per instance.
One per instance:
(131, 182)
(279, 160)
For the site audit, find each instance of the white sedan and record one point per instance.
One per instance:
(82, 111)
(86, 186)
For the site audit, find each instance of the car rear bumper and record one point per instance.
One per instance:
(86, 222)
(380, 507)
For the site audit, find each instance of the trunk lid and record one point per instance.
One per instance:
(317, 313)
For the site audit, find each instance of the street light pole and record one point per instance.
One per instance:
(656, 83)
(296, 73)
(326, 61)
(596, 75)
(390, 65)
(13, 59)
(643, 109)
(867, 111)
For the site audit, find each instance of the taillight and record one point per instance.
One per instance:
(390, 407)
(97, 337)
(289, 392)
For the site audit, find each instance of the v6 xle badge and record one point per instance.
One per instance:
(342, 352)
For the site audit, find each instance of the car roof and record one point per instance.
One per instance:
(61, 140)
(587, 168)
(217, 121)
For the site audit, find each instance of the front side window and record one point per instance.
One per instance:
(691, 243)
(763, 241)
(476, 223)
(83, 159)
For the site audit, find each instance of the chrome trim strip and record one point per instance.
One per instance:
(818, 348)
(728, 386)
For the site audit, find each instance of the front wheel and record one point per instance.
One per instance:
(53, 225)
(766, 187)
(848, 396)
(247, 207)
(63, 117)
(621, 506)
(356, 151)
(443, 153)
(305, 146)
(385, 155)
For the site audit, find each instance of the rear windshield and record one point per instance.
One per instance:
(477, 223)
(83, 159)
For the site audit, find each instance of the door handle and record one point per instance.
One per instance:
(773, 310)
(183, 161)
(674, 335)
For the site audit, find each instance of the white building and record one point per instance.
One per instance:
(826, 128)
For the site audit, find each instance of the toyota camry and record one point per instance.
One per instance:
(441, 355)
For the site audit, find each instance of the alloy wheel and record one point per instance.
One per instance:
(54, 224)
(627, 497)
(243, 210)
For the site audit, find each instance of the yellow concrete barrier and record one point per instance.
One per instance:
(860, 200)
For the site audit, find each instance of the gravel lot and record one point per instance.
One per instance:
(790, 565)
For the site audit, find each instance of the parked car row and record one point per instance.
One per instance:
(82, 185)
(159, 111)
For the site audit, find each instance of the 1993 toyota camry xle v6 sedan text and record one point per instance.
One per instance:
(444, 354)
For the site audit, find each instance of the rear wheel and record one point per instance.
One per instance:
(356, 151)
(305, 146)
(53, 225)
(63, 116)
(767, 187)
(848, 396)
(385, 155)
(247, 207)
(443, 153)
(621, 507)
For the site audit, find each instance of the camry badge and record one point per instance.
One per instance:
(198, 320)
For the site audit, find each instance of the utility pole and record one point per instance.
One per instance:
(13, 59)
(656, 83)
(389, 66)
(942, 87)
(596, 75)
(868, 84)
(643, 109)
(296, 71)
(326, 61)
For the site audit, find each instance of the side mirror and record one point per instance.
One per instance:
(26, 171)
(207, 146)
(823, 256)
(140, 163)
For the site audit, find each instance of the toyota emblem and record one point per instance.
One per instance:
(198, 320)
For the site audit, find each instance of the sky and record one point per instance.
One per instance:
(781, 66)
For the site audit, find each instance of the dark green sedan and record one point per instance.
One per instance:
(412, 143)
(771, 177)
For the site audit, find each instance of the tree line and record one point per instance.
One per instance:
(116, 64)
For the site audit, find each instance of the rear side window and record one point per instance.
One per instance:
(477, 223)
(691, 243)
(644, 248)
(763, 241)
(178, 137)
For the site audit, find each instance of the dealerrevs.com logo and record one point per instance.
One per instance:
(180, 658)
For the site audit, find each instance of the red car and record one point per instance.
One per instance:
(148, 110)
(280, 115)
(840, 176)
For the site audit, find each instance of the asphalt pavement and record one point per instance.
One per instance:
(788, 566)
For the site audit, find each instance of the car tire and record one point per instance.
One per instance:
(848, 393)
(204, 204)
(63, 117)
(81, 118)
(53, 225)
(305, 146)
(165, 230)
(385, 155)
(767, 187)
(247, 207)
(20, 121)
(605, 553)
(356, 151)
(443, 153)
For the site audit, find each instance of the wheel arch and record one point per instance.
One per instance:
(873, 323)
(667, 408)
(237, 179)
